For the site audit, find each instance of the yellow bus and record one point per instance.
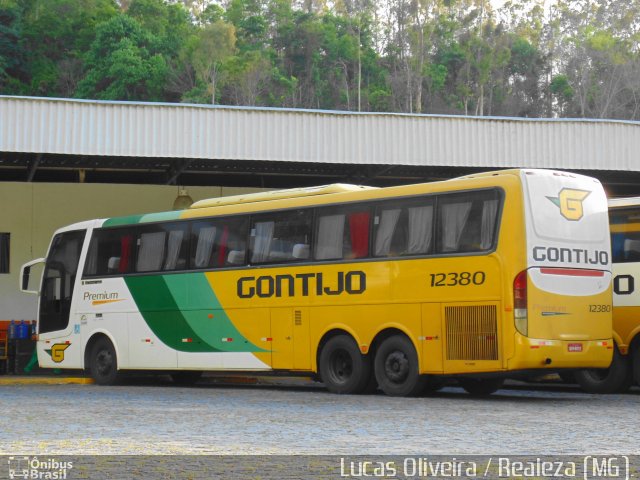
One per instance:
(479, 278)
(624, 218)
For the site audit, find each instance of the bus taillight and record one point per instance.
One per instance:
(520, 302)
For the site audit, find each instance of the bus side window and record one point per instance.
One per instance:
(467, 221)
(329, 237)
(281, 238)
(233, 242)
(358, 234)
(160, 247)
(150, 251)
(176, 258)
(404, 228)
(202, 245)
(631, 250)
(342, 233)
(219, 243)
(110, 252)
(625, 235)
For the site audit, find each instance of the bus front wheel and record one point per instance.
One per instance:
(343, 369)
(104, 363)
(396, 368)
(615, 379)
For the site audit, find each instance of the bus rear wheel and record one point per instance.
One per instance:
(635, 362)
(396, 368)
(104, 362)
(615, 379)
(481, 387)
(343, 369)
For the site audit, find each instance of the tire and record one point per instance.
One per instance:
(343, 369)
(635, 362)
(615, 379)
(186, 378)
(104, 363)
(481, 387)
(396, 368)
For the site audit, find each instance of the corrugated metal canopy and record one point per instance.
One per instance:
(178, 140)
(79, 127)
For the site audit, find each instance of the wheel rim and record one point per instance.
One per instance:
(396, 367)
(340, 367)
(104, 362)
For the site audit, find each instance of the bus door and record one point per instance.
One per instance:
(56, 298)
(291, 348)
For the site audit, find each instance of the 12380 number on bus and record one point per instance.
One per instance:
(453, 279)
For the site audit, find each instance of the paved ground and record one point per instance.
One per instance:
(158, 418)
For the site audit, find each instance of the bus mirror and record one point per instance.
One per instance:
(25, 275)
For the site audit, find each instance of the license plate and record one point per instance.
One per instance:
(575, 347)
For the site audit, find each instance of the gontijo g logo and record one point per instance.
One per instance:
(57, 351)
(569, 201)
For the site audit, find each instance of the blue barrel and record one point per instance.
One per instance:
(23, 330)
(12, 329)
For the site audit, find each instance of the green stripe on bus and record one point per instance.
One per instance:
(197, 300)
(159, 309)
(145, 218)
(177, 309)
(117, 221)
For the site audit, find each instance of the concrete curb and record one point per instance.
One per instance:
(44, 380)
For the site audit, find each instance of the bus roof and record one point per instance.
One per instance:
(624, 202)
(279, 195)
(306, 196)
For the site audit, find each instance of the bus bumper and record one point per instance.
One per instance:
(533, 353)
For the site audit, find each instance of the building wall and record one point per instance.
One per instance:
(31, 212)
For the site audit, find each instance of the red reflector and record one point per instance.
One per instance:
(574, 347)
(572, 272)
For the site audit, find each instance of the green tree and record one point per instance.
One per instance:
(12, 74)
(213, 45)
(57, 33)
(124, 63)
